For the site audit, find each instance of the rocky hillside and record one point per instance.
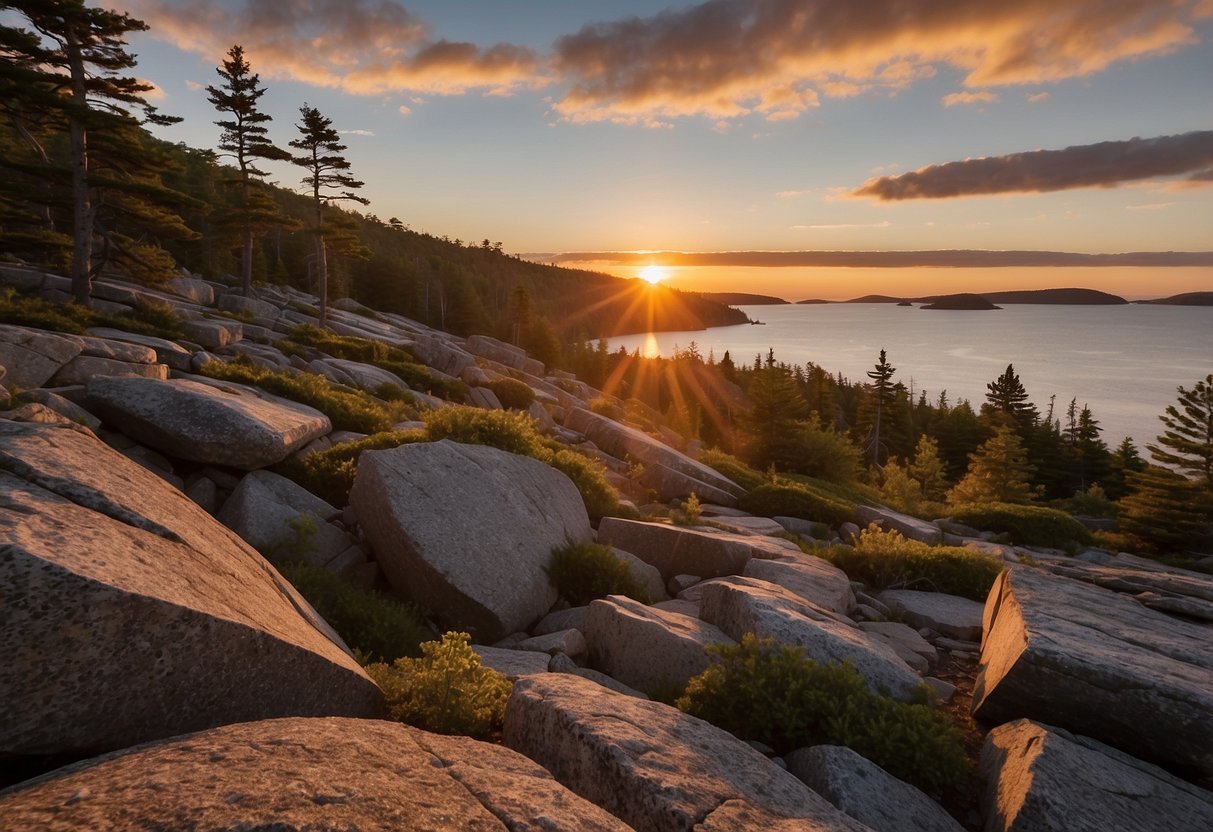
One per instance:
(160, 672)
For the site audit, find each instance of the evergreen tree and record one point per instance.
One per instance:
(999, 472)
(1123, 461)
(770, 423)
(72, 75)
(328, 181)
(1187, 443)
(881, 396)
(245, 139)
(928, 469)
(1006, 394)
(1094, 461)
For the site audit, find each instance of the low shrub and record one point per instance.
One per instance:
(787, 499)
(22, 310)
(512, 393)
(733, 468)
(689, 513)
(884, 559)
(502, 429)
(380, 628)
(330, 474)
(777, 696)
(348, 409)
(149, 317)
(1025, 524)
(582, 572)
(607, 407)
(447, 690)
(589, 476)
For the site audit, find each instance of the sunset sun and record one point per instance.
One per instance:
(654, 274)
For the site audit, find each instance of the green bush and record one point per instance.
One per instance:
(149, 317)
(585, 571)
(884, 559)
(1027, 525)
(330, 474)
(589, 476)
(775, 695)
(512, 393)
(733, 468)
(604, 406)
(787, 499)
(348, 409)
(512, 432)
(22, 310)
(446, 691)
(379, 628)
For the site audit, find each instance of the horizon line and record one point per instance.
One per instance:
(945, 258)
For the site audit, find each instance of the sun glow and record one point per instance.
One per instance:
(654, 274)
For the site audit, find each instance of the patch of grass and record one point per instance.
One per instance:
(149, 317)
(379, 628)
(792, 499)
(776, 695)
(733, 468)
(582, 572)
(513, 432)
(447, 690)
(884, 559)
(348, 409)
(22, 310)
(1024, 524)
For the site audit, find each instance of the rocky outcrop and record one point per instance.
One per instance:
(674, 475)
(313, 774)
(131, 615)
(217, 423)
(743, 605)
(1099, 664)
(655, 767)
(812, 578)
(503, 353)
(951, 615)
(1044, 778)
(648, 648)
(283, 520)
(678, 551)
(867, 792)
(910, 527)
(468, 530)
(32, 356)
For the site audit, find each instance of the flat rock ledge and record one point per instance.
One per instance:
(291, 775)
(655, 767)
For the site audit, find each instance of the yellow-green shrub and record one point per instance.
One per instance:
(582, 572)
(1025, 524)
(790, 499)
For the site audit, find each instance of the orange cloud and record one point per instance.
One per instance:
(1105, 164)
(364, 47)
(720, 58)
(958, 98)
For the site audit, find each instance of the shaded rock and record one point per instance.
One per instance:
(867, 792)
(572, 618)
(356, 374)
(910, 527)
(437, 352)
(563, 664)
(126, 601)
(750, 525)
(680, 583)
(653, 766)
(84, 367)
(225, 424)
(647, 648)
(1044, 778)
(313, 774)
(511, 663)
(644, 574)
(32, 356)
(1097, 663)
(673, 474)
(941, 691)
(232, 302)
(812, 578)
(282, 520)
(675, 550)
(914, 650)
(570, 642)
(744, 605)
(484, 397)
(64, 407)
(192, 289)
(948, 614)
(468, 530)
(212, 335)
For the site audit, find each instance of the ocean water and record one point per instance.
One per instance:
(1124, 362)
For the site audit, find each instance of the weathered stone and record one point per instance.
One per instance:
(32, 356)
(645, 575)
(1097, 663)
(622, 441)
(137, 614)
(192, 289)
(232, 302)
(905, 641)
(572, 618)
(675, 550)
(484, 397)
(867, 792)
(681, 583)
(501, 352)
(468, 530)
(306, 774)
(647, 648)
(653, 766)
(569, 642)
(910, 527)
(204, 492)
(812, 578)
(511, 663)
(64, 407)
(212, 334)
(84, 367)
(750, 525)
(563, 664)
(437, 352)
(225, 424)
(941, 691)
(356, 374)
(1043, 778)
(743, 605)
(950, 615)
(282, 520)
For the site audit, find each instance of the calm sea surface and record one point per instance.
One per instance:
(1124, 362)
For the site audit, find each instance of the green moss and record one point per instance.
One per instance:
(789, 499)
(512, 432)
(582, 572)
(1024, 524)
(330, 474)
(733, 468)
(776, 695)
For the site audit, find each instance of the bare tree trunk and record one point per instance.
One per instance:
(246, 259)
(322, 270)
(82, 209)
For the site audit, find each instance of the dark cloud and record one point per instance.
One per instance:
(962, 258)
(1105, 164)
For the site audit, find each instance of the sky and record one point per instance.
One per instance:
(572, 131)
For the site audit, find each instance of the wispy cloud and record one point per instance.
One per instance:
(719, 58)
(356, 132)
(960, 98)
(1105, 164)
(1150, 206)
(838, 226)
(364, 47)
(1037, 97)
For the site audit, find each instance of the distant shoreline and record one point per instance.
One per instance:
(962, 300)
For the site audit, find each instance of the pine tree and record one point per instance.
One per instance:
(73, 76)
(929, 470)
(1187, 442)
(328, 182)
(770, 424)
(882, 394)
(999, 473)
(245, 139)
(1006, 394)
(1124, 460)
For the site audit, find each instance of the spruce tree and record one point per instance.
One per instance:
(1006, 394)
(928, 469)
(1187, 443)
(245, 140)
(769, 426)
(73, 70)
(999, 473)
(881, 395)
(1124, 461)
(328, 180)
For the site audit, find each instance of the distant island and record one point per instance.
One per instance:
(964, 300)
(1185, 299)
(1068, 296)
(741, 299)
(814, 300)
